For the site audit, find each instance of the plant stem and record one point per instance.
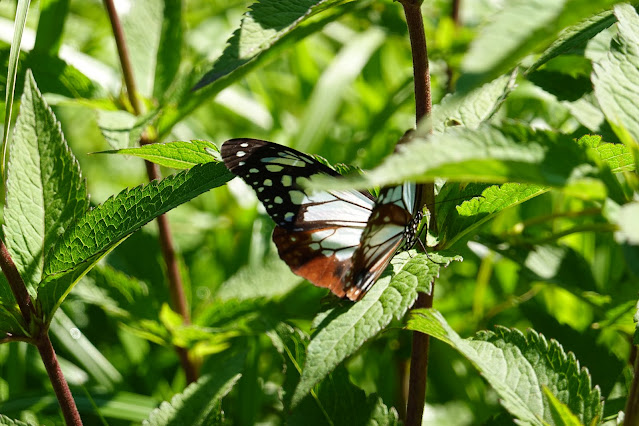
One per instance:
(632, 404)
(60, 386)
(18, 288)
(176, 288)
(423, 108)
(41, 339)
(123, 53)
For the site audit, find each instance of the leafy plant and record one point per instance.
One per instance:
(528, 157)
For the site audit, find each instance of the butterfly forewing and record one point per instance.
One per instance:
(317, 232)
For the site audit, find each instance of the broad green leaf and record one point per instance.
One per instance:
(572, 38)
(68, 336)
(628, 224)
(142, 25)
(617, 156)
(616, 77)
(329, 91)
(559, 412)
(178, 155)
(45, 189)
(290, 343)
(522, 27)
(270, 279)
(266, 22)
(457, 222)
(473, 108)
(169, 52)
(518, 367)
(53, 14)
(199, 404)
(340, 403)
(122, 129)
(12, 70)
(100, 230)
(345, 329)
(486, 154)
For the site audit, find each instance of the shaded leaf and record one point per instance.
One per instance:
(199, 404)
(53, 14)
(559, 412)
(267, 22)
(518, 367)
(169, 52)
(122, 129)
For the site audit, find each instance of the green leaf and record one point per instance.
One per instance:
(617, 156)
(199, 404)
(345, 329)
(45, 189)
(178, 155)
(518, 367)
(329, 92)
(266, 23)
(628, 224)
(53, 13)
(340, 403)
(100, 230)
(572, 38)
(458, 222)
(11, 322)
(94, 363)
(559, 412)
(473, 108)
(122, 129)
(142, 25)
(519, 29)
(486, 154)
(616, 77)
(12, 70)
(6, 421)
(169, 52)
(272, 278)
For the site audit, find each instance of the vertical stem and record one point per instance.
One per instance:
(18, 288)
(176, 288)
(423, 108)
(60, 386)
(123, 53)
(632, 404)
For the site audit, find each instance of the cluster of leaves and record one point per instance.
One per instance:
(543, 122)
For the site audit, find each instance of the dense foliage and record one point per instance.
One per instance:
(532, 146)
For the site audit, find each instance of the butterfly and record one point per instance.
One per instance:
(339, 239)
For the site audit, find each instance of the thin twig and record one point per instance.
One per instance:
(176, 288)
(123, 53)
(423, 108)
(60, 386)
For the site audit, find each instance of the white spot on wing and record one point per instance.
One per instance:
(240, 153)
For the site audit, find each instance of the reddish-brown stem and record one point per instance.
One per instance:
(60, 386)
(123, 53)
(423, 108)
(632, 404)
(176, 288)
(18, 288)
(40, 339)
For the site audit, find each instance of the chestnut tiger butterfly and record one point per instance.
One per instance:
(340, 239)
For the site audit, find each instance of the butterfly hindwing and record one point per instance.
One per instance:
(393, 222)
(317, 232)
